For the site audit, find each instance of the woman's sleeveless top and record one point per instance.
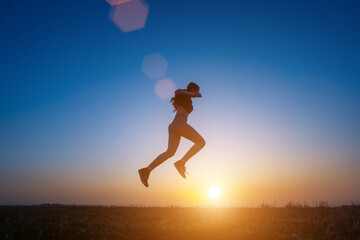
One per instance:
(184, 101)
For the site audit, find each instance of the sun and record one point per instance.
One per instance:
(214, 192)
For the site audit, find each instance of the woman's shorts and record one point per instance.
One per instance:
(179, 120)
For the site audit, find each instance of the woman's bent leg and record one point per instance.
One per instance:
(190, 133)
(173, 144)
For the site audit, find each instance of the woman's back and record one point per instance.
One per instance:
(182, 101)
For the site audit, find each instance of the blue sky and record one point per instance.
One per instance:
(278, 75)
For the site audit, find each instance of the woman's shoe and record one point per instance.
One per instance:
(180, 166)
(144, 176)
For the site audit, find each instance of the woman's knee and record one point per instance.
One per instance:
(201, 142)
(169, 153)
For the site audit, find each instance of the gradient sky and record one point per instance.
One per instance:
(280, 110)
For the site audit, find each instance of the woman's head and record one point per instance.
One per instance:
(193, 87)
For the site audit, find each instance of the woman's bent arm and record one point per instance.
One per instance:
(184, 92)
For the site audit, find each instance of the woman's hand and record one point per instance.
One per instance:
(197, 94)
(187, 93)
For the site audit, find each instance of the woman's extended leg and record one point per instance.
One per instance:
(173, 144)
(190, 133)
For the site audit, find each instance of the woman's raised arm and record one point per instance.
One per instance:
(184, 92)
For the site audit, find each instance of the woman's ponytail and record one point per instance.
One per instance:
(172, 100)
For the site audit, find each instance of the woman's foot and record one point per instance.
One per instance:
(180, 166)
(144, 176)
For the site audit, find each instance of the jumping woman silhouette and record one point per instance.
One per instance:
(182, 104)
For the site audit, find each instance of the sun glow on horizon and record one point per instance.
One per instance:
(214, 192)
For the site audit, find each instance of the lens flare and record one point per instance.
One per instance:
(165, 88)
(117, 2)
(154, 65)
(130, 15)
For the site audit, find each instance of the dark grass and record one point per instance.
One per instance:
(97, 222)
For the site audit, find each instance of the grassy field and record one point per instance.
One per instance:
(95, 222)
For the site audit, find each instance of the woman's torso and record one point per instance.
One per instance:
(183, 104)
(181, 110)
(179, 120)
